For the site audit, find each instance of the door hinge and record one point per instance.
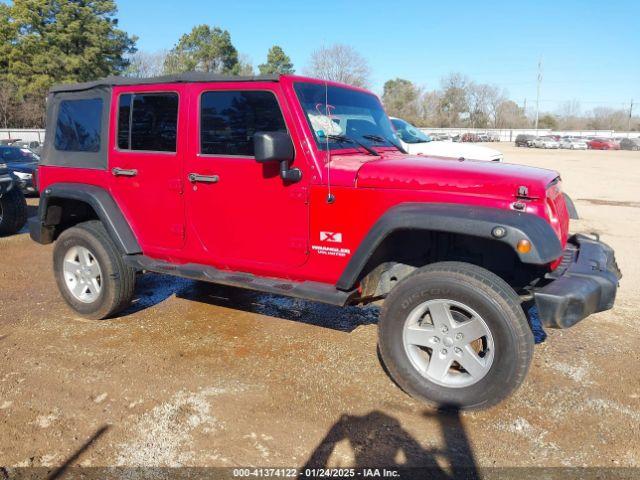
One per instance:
(177, 229)
(300, 194)
(298, 244)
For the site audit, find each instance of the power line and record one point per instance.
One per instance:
(538, 91)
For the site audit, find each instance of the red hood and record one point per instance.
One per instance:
(465, 177)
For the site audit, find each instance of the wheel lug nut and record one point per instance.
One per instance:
(444, 329)
(458, 336)
(457, 350)
(444, 351)
(436, 340)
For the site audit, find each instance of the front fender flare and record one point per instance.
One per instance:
(102, 203)
(461, 219)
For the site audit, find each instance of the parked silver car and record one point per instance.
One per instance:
(573, 143)
(546, 142)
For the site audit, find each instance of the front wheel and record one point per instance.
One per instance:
(90, 272)
(455, 335)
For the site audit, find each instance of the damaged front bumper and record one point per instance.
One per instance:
(584, 283)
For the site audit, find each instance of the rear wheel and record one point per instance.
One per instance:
(13, 212)
(455, 336)
(90, 272)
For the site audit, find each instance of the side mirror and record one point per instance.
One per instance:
(276, 147)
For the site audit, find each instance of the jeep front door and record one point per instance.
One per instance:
(244, 216)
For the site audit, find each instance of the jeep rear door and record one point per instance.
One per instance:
(241, 214)
(147, 142)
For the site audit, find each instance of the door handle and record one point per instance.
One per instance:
(196, 177)
(123, 172)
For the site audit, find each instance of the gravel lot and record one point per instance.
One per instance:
(202, 375)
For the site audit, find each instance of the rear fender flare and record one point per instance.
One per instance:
(102, 203)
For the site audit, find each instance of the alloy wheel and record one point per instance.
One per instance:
(448, 343)
(82, 274)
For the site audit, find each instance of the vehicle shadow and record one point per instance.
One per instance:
(378, 440)
(152, 289)
(344, 319)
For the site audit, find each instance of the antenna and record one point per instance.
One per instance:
(330, 197)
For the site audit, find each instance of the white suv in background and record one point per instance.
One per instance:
(416, 142)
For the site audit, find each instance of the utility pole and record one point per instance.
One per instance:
(538, 92)
(630, 114)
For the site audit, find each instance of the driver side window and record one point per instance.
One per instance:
(229, 119)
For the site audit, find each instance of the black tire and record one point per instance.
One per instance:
(13, 212)
(117, 278)
(493, 299)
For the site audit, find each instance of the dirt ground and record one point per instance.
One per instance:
(200, 375)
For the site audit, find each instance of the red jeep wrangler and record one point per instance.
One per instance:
(298, 187)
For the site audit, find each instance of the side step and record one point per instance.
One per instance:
(316, 291)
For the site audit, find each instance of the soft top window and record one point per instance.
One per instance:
(78, 125)
(148, 122)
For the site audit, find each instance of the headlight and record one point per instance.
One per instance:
(3, 165)
(23, 175)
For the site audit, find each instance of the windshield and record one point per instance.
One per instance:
(408, 133)
(16, 154)
(336, 111)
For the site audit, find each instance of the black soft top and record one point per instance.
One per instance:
(189, 77)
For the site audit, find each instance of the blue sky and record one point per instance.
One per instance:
(590, 50)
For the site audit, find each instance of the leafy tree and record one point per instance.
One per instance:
(47, 41)
(277, 62)
(204, 49)
(510, 115)
(548, 121)
(401, 99)
(340, 63)
(454, 101)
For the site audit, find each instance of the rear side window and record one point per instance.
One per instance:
(78, 126)
(148, 122)
(229, 119)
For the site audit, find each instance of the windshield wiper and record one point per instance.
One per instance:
(381, 139)
(345, 139)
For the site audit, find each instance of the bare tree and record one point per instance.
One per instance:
(245, 65)
(430, 109)
(569, 115)
(339, 63)
(605, 118)
(481, 97)
(146, 64)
